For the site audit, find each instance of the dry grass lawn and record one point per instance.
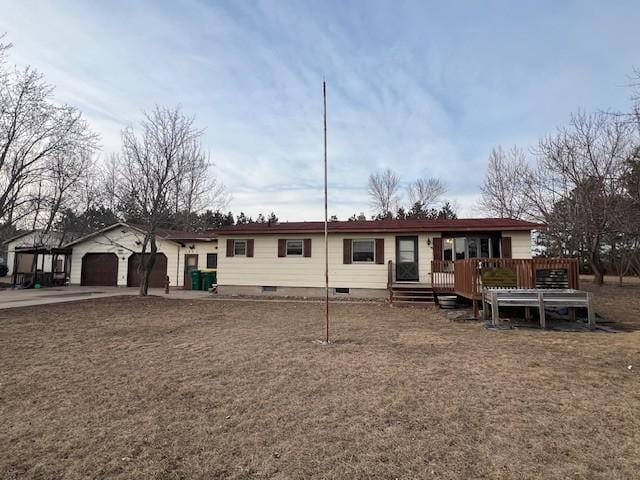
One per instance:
(168, 389)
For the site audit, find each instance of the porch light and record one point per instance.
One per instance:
(429, 241)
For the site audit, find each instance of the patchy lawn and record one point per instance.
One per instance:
(155, 388)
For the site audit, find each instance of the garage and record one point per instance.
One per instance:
(99, 270)
(158, 274)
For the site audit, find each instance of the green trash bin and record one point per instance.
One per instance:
(208, 279)
(195, 280)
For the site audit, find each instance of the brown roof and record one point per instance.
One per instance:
(383, 226)
(165, 233)
(170, 234)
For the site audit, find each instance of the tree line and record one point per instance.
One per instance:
(583, 182)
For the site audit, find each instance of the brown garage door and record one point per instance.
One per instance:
(99, 270)
(158, 274)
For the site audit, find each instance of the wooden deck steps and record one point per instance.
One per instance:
(411, 294)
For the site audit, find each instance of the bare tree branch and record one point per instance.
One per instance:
(383, 191)
(427, 191)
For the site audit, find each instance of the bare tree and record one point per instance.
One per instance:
(383, 188)
(504, 190)
(426, 191)
(151, 178)
(64, 181)
(577, 188)
(196, 188)
(34, 132)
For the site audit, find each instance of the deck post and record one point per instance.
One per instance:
(390, 281)
(591, 314)
(495, 314)
(485, 312)
(543, 320)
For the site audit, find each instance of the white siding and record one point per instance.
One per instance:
(520, 244)
(122, 241)
(265, 268)
(199, 248)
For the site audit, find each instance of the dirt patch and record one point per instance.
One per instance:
(125, 387)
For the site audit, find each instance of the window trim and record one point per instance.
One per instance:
(235, 253)
(286, 247)
(353, 250)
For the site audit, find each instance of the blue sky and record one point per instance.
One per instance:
(425, 88)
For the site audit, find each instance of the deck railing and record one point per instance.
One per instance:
(442, 276)
(464, 277)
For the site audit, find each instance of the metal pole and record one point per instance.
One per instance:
(326, 217)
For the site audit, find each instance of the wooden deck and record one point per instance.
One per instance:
(465, 277)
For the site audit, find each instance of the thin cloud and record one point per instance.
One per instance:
(424, 89)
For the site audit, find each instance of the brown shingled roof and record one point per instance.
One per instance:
(383, 226)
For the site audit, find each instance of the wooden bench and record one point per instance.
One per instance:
(539, 298)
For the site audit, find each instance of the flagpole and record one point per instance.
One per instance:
(326, 216)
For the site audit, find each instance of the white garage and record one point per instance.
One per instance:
(110, 257)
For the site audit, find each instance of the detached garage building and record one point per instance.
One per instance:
(111, 256)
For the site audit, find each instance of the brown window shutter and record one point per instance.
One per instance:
(306, 247)
(229, 247)
(346, 251)
(505, 246)
(282, 247)
(437, 248)
(250, 247)
(380, 251)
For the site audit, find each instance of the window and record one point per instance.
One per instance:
(460, 248)
(406, 251)
(240, 248)
(269, 289)
(363, 250)
(485, 248)
(294, 248)
(470, 247)
(342, 290)
(212, 260)
(447, 248)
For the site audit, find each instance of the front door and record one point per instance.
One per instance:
(407, 259)
(190, 264)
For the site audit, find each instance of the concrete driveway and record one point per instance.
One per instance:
(10, 298)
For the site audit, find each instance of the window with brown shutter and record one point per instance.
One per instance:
(282, 247)
(380, 251)
(437, 248)
(307, 247)
(229, 247)
(250, 247)
(346, 251)
(505, 246)
(240, 248)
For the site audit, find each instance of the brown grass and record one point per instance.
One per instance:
(155, 388)
(618, 304)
